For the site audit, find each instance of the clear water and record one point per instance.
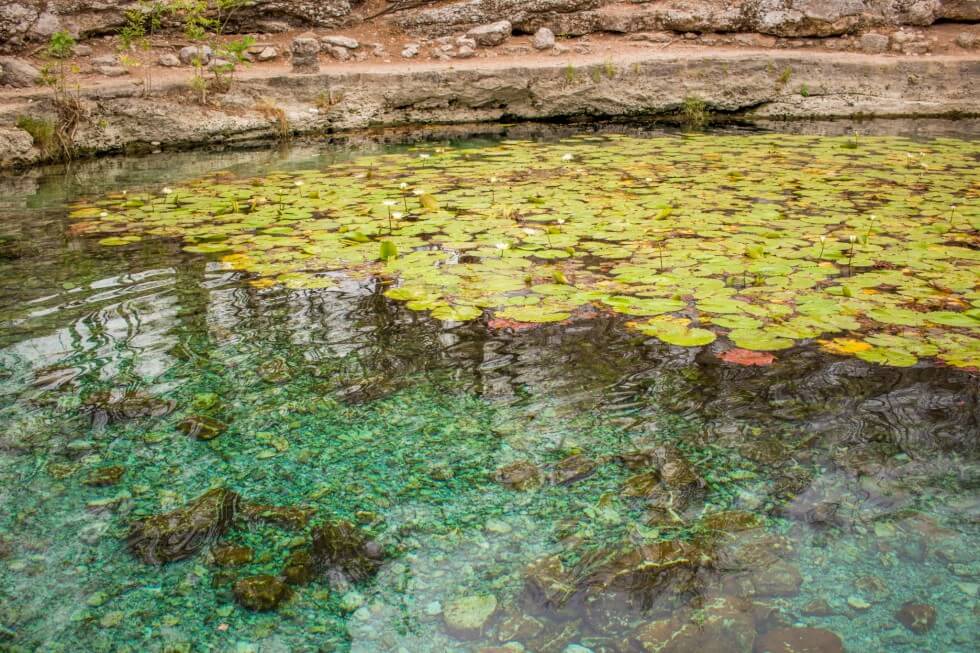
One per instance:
(345, 402)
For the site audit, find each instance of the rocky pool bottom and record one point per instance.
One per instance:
(190, 463)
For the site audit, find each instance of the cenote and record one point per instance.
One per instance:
(611, 390)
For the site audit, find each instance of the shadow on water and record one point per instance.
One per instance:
(560, 486)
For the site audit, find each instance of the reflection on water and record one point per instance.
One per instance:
(393, 483)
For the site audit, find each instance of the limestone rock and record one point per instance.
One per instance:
(808, 640)
(466, 618)
(465, 52)
(305, 49)
(17, 72)
(966, 40)
(169, 60)
(491, 34)
(16, 147)
(195, 55)
(338, 53)
(410, 50)
(544, 39)
(267, 53)
(874, 43)
(340, 42)
(261, 593)
(183, 532)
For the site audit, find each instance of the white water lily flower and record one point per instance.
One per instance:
(403, 185)
(104, 214)
(167, 190)
(397, 215)
(424, 156)
(493, 180)
(501, 246)
(852, 238)
(389, 202)
(567, 157)
(561, 220)
(823, 239)
(529, 231)
(418, 192)
(297, 183)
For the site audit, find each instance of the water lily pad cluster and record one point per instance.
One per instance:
(870, 246)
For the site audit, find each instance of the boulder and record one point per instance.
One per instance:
(544, 39)
(573, 468)
(18, 73)
(465, 52)
(917, 617)
(966, 40)
(799, 640)
(181, 533)
(778, 579)
(340, 42)
(467, 617)
(874, 43)
(267, 53)
(305, 49)
(105, 476)
(195, 55)
(261, 593)
(410, 50)
(169, 60)
(342, 546)
(16, 147)
(520, 475)
(491, 34)
(338, 53)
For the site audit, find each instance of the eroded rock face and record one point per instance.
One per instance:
(18, 73)
(340, 545)
(183, 532)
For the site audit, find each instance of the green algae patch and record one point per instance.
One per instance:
(769, 240)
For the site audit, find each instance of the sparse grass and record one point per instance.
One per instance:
(805, 91)
(327, 99)
(277, 115)
(609, 69)
(596, 75)
(570, 73)
(694, 113)
(784, 76)
(42, 131)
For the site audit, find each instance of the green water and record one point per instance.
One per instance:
(349, 403)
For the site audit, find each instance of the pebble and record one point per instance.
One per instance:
(858, 603)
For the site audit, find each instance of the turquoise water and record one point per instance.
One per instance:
(861, 480)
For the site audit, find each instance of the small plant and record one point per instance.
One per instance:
(805, 91)
(142, 23)
(609, 69)
(42, 131)
(694, 113)
(784, 76)
(65, 100)
(570, 73)
(596, 75)
(275, 113)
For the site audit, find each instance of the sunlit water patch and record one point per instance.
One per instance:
(273, 454)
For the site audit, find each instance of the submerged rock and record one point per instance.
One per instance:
(466, 618)
(201, 427)
(108, 407)
(299, 569)
(261, 593)
(725, 625)
(342, 545)
(732, 521)
(573, 468)
(292, 517)
(799, 640)
(232, 555)
(183, 532)
(641, 485)
(917, 617)
(779, 579)
(105, 476)
(521, 475)
(547, 584)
